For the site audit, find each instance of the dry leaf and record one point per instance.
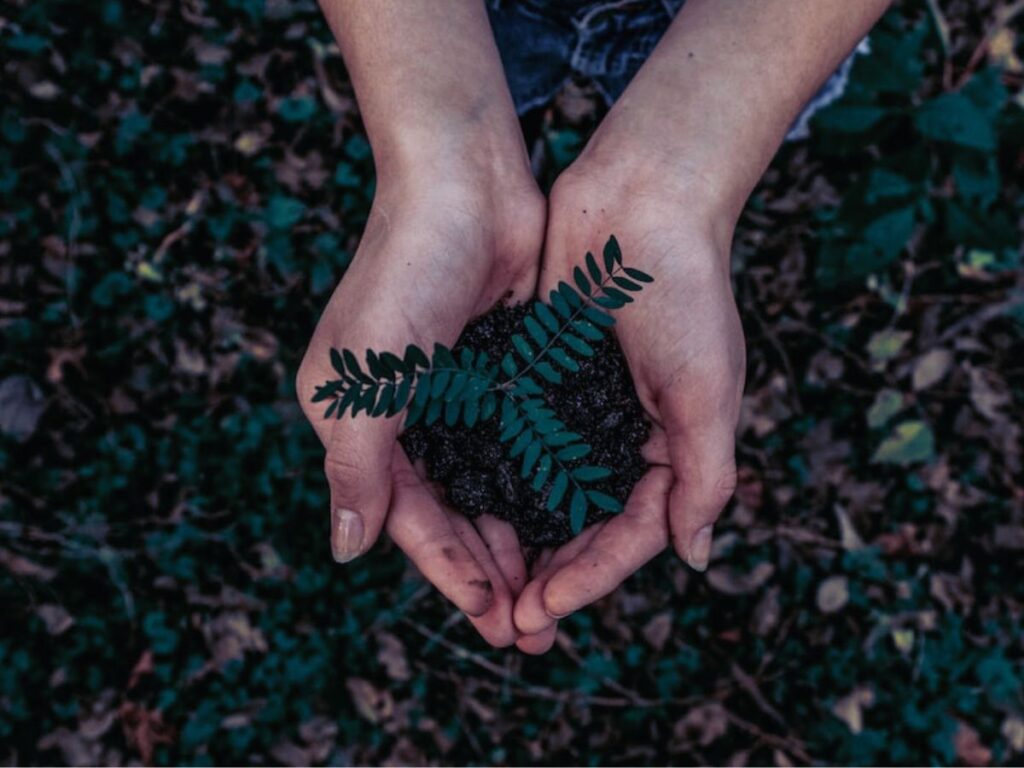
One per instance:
(833, 594)
(56, 618)
(968, 745)
(726, 579)
(658, 629)
(392, 656)
(372, 703)
(931, 367)
(1013, 731)
(850, 708)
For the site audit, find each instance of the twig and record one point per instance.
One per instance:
(942, 28)
(1003, 17)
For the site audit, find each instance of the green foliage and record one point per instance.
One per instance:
(165, 575)
(471, 389)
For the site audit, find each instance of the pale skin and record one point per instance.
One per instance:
(458, 223)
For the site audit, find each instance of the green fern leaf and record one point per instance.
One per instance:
(577, 511)
(573, 452)
(587, 474)
(577, 345)
(489, 406)
(557, 439)
(544, 314)
(560, 357)
(557, 491)
(325, 391)
(401, 395)
(612, 254)
(548, 372)
(535, 330)
(353, 367)
(627, 285)
(376, 368)
(571, 296)
(599, 318)
(530, 457)
(521, 443)
(560, 304)
(510, 430)
(508, 365)
(412, 415)
(543, 470)
(440, 380)
(587, 330)
(523, 348)
(595, 273)
(331, 408)
(581, 281)
(443, 357)
(636, 274)
(415, 357)
(347, 401)
(527, 387)
(387, 392)
(337, 362)
(393, 363)
(434, 411)
(618, 295)
(471, 413)
(457, 386)
(451, 412)
(604, 501)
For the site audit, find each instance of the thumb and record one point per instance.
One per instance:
(358, 469)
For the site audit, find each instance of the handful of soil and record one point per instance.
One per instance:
(473, 466)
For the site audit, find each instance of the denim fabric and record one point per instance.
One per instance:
(545, 42)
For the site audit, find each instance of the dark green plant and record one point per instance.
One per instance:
(469, 388)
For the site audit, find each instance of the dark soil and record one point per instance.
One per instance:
(474, 469)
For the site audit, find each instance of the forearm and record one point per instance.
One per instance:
(715, 99)
(429, 82)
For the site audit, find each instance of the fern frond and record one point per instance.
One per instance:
(573, 317)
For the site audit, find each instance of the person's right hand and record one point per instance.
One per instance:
(442, 245)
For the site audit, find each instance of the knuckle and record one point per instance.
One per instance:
(345, 469)
(724, 486)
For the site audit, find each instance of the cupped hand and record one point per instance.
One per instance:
(683, 342)
(437, 251)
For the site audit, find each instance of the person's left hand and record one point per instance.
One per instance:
(683, 342)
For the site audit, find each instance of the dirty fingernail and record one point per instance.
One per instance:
(346, 534)
(700, 549)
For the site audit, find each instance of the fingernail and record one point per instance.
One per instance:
(346, 534)
(700, 549)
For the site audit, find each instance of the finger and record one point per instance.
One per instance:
(424, 531)
(625, 543)
(503, 543)
(495, 624)
(702, 452)
(358, 469)
(539, 643)
(529, 614)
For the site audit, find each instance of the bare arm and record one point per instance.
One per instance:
(454, 198)
(668, 172)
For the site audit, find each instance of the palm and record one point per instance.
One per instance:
(418, 280)
(684, 345)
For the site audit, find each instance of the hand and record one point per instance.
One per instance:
(442, 245)
(683, 342)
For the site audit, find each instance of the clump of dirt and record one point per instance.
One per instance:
(473, 467)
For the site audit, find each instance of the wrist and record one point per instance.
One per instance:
(481, 151)
(635, 189)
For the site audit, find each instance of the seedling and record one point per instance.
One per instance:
(469, 388)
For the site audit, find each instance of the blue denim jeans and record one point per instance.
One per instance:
(543, 43)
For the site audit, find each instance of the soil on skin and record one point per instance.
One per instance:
(474, 469)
